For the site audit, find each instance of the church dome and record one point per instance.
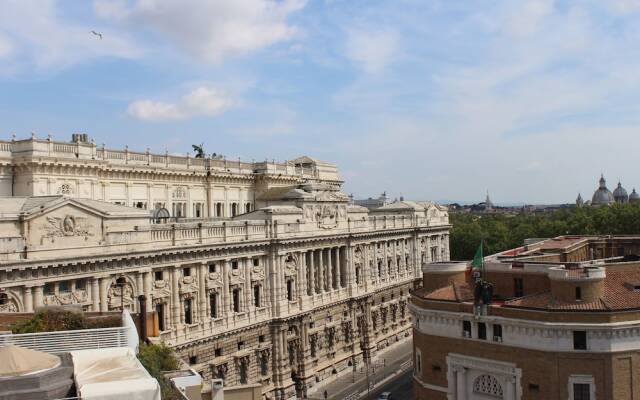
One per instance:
(602, 195)
(634, 197)
(620, 194)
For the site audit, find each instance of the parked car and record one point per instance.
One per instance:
(385, 396)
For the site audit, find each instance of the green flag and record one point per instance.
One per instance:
(478, 260)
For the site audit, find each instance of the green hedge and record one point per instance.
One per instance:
(63, 320)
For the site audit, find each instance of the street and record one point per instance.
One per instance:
(401, 387)
(394, 360)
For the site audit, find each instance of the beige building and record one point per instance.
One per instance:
(267, 275)
(564, 323)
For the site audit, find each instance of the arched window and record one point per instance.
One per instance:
(489, 385)
(218, 209)
(247, 207)
(234, 209)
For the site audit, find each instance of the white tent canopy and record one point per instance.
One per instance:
(112, 374)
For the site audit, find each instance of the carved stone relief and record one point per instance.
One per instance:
(68, 225)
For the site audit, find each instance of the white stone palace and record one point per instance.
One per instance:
(259, 272)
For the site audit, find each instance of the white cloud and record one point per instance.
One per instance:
(202, 101)
(43, 40)
(5, 46)
(210, 30)
(371, 49)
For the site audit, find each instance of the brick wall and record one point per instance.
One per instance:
(616, 376)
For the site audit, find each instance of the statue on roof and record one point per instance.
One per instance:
(199, 150)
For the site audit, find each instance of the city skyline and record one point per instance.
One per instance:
(439, 101)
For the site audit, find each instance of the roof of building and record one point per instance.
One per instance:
(602, 195)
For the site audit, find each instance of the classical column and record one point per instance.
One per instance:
(302, 273)
(27, 299)
(148, 289)
(38, 297)
(461, 383)
(338, 268)
(104, 305)
(95, 294)
(225, 288)
(312, 273)
(140, 288)
(175, 292)
(329, 264)
(322, 271)
(202, 291)
(247, 281)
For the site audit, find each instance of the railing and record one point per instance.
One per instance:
(82, 150)
(82, 339)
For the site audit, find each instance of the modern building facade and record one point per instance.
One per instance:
(564, 323)
(294, 286)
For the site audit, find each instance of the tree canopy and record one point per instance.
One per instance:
(502, 232)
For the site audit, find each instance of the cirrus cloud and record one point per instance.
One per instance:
(202, 101)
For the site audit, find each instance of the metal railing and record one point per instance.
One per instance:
(82, 339)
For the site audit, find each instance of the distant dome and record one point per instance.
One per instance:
(602, 196)
(620, 194)
(634, 197)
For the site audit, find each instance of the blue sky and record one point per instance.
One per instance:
(530, 100)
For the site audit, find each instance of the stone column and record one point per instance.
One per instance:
(140, 289)
(104, 305)
(175, 301)
(510, 388)
(38, 296)
(322, 270)
(247, 281)
(226, 308)
(461, 383)
(302, 274)
(27, 299)
(95, 294)
(329, 264)
(339, 275)
(312, 274)
(148, 289)
(202, 291)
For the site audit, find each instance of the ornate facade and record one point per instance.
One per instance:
(286, 293)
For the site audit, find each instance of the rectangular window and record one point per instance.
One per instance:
(256, 262)
(186, 271)
(157, 275)
(193, 360)
(240, 345)
(81, 284)
(256, 295)
(482, 331)
(236, 300)
(518, 287)
(218, 352)
(234, 264)
(578, 293)
(261, 339)
(160, 312)
(290, 290)
(418, 362)
(466, 329)
(497, 333)
(48, 288)
(63, 286)
(579, 340)
(212, 268)
(187, 312)
(213, 305)
(581, 391)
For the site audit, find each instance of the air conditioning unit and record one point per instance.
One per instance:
(497, 339)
